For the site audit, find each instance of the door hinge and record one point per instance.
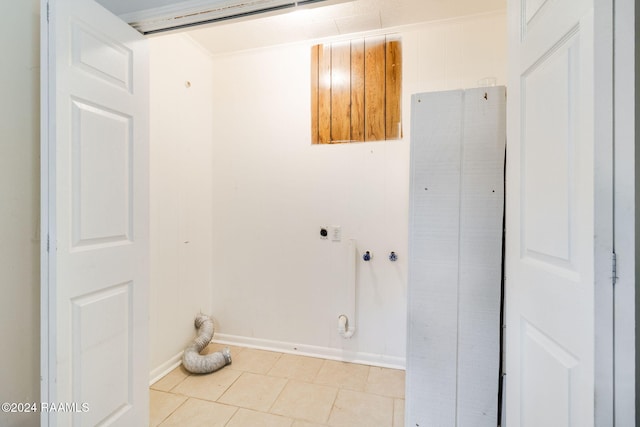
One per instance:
(48, 11)
(47, 243)
(614, 268)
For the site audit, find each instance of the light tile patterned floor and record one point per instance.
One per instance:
(268, 389)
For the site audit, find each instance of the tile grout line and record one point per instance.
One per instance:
(393, 412)
(274, 365)
(266, 374)
(183, 380)
(278, 396)
(172, 412)
(333, 405)
(315, 377)
(228, 387)
(233, 415)
(366, 381)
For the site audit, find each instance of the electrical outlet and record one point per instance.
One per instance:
(335, 231)
(324, 233)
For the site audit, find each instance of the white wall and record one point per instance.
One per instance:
(181, 180)
(19, 208)
(275, 283)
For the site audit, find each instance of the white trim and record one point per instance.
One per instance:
(48, 359)
(162, 370)
(626, 207)
(603, 213)
(44, 210)
(380, 360)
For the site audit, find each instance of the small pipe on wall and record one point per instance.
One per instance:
(346, 321)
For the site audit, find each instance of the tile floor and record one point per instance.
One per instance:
(263, 388)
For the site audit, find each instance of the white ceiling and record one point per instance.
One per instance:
(318, 21)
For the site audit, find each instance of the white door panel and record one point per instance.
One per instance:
(550, 215)
(457, 181)
(98, 178)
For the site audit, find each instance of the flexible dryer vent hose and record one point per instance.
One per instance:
(197, 363)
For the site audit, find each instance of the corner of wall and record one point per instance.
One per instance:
(181, 195)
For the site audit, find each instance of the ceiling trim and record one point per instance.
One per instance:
(197, 12)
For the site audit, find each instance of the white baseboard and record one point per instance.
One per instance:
(165, 368)
(381, 360)
(371, 359)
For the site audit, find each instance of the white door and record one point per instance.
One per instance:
(550, 273)
(96, 293)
